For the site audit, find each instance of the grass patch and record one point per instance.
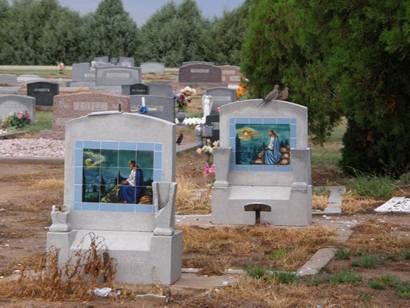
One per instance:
(383, 282)
(49, 184)
(278, 254)
(345, 277)
(255, 271)
(187, 202)
(405, 254)
(405, 179)
(44, 121)
(371, 186)
(342, 254)
(368, 261)
(319, 202)
(353, 204)
(284, 277)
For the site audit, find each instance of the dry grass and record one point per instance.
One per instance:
(49, 184)
(251, 292)
(319, 202)
(378, 237)
(218, 248)
(186, 201)
(353, 204)
(41, 277)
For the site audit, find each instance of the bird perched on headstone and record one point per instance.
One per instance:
(276, 94)
(180, 139)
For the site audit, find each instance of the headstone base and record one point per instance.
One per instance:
(140, 257)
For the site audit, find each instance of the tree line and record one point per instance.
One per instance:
(44, 32)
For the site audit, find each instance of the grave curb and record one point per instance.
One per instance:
(32, 160)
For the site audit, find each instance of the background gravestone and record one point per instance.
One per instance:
(161, 89)
(17, 103)
(197, 62)
(220, 97)
(9, 90)
(8, 80)
(140, 235)
(211, 127)
(68, 107)
(153, 68)
(135, 89)
(103, 59)
(231, 74)
(117, 76)
(158, 106)
(200, 73)
(43, 92)
(81, 72)
(264, 168)
(126, 61)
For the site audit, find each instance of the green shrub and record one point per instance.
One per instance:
(405, 179)
(376, 284)
(371, 186)
(368, 261)
(342, 254)
(405, 254)
(284, 277)
(255, 271)
(403, 289)
(345, 277)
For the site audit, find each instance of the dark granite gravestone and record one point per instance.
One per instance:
(158, 106)
(161, 89)
(43, 92)
(135, 89)
(220, 97)
(200, 73)
(211, 127)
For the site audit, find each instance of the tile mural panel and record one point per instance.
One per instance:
(116, 174)
(262, 144)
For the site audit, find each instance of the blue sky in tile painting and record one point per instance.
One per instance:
(248, 121)
(143, 149)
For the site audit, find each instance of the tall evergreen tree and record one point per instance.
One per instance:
(111, 31)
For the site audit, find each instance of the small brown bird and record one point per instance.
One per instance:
(276, 94)
(180, 139)
(284, 94)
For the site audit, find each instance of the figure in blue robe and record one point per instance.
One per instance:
(131, 188)
(272, 151)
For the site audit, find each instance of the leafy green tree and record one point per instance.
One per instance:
(222, 41)
(172, 35)
(111, 31)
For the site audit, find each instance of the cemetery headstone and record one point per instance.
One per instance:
(161, 89)
(103, 59)
(117, 76)
(43, 92)
(81, 72)
(211, 127)
(68, 107)
(153, 68)
(220, 97)
(8, 80)
(135, 222)
(231, 74)
(197, 62)
(158, 106)
(28, 78)
(135, 89)
(9, 90)
(200, 73)
(126, 61)
(263, 164)
(17, 103)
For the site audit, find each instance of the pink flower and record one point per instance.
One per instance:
(209, 170)
(20, 115)
(218, 109)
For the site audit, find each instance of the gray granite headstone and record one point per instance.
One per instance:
(135, 89)
(220, 97)
(81, 72)
(8, 80)
(43, 92)
(200, 73)
(103, 59)
(126, 61)
(153, 68)
(117, 76)
(161, 89)
(158, 106)
(9, 90)
(17, 103)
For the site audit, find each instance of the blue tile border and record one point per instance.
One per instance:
(112, 145)
(261, 168)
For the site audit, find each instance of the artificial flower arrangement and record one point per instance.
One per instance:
(184, 97)
(16, 120)
(241, 90)
(143, 108)
(208, 150)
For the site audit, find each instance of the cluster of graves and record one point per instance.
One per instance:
(120, 164)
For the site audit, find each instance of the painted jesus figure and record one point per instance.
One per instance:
(272, 151)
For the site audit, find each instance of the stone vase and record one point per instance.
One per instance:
(59, 222)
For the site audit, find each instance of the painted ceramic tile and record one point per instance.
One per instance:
(117, 176)
(262, 144)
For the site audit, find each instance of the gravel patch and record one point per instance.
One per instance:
(38, 148)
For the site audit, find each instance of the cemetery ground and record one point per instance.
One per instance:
(371, 266)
